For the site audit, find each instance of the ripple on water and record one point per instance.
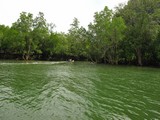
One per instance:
(77, 91)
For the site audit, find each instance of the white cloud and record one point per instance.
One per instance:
(60, 12)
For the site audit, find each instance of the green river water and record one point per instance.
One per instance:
(78, 91)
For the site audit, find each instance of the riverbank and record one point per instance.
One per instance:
(71, 60)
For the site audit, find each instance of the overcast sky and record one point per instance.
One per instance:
(59, 12)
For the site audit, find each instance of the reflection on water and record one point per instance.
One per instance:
(77, 91)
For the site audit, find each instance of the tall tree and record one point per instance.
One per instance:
(40, 35)
(141, 26)
(99, 34)
(4, 43)
(77, 39)
(116, 36)
(107, 32)
(60, 42)
(25, 26)
(73, 38)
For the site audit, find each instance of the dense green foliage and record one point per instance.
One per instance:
(130, 35)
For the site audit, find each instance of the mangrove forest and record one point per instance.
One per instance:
(128, 35)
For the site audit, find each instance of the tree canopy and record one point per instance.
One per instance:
(128, 35)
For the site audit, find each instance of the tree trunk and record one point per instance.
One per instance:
(116, 54)
(27, 57)
(110, 59)
(28, 48)
(105, 62)
(139, 56)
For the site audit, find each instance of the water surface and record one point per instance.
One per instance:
(77, 91)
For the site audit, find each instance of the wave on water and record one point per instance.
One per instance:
(36, 62)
